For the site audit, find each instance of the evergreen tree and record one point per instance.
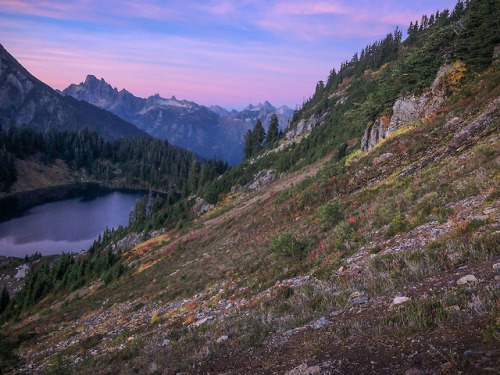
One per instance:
(258, 136)
(480, 32)
(138, 214)
(194, 176)
(4, 299)
(273, 131)
(248, 147)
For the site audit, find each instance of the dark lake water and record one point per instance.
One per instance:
(70, 225)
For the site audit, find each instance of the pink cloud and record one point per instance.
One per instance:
(139, 9)
(51, 9)
(309, 8)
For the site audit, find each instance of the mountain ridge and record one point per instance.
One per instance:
(207, 131)
(28, 102)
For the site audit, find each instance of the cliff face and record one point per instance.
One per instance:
(407, 108)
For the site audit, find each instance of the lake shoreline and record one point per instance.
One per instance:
(68, 219)
(14, 204)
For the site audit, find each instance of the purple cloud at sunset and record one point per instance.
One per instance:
(229, 53)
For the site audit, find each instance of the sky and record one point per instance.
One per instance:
(226, 52)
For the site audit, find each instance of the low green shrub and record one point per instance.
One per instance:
(398, 224)
(288, 246)
(331, 213)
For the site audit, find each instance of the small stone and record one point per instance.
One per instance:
(467, 279)
(335, 313)
(359, 301)
(203, 320)
(383, 157)
(398, 300)
(462, 268)
(468, 353)
(222, 338)
(313, 370)
(496, 267)
(357, 294)
(321, 322)
(153, 368)
(166, 342)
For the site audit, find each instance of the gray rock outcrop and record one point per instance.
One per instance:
(201, 206)
(305, 126)
(407, 108)
(259, 181)
(484, 120)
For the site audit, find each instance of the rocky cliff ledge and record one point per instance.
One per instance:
(408, 108)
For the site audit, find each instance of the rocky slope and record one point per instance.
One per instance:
(376, 291)
(205, 131)
(27, 102)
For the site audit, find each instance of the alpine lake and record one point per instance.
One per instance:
(65, 219)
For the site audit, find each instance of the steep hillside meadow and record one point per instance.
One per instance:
(365, 240)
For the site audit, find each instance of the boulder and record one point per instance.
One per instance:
(261, 180)
(305, 126)
(320, 323)
(21, 272)
(221, 339)
(467, 279)
(398, 300)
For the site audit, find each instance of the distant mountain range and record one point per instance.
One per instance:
(207, 131)
(25, 101)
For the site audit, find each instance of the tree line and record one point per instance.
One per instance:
(145, 162)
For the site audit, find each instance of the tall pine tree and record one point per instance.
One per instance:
(273, 132)
(258, 135)
(248, 147)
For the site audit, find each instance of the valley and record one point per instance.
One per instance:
(207, 131)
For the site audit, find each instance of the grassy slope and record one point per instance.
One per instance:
(33, 174)
(414, 236)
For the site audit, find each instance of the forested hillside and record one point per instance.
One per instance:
(27, 102)
(141, 163)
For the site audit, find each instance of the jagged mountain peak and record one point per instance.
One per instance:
(28, 102)
(92, 81)
(208, 131)
(259, 107)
